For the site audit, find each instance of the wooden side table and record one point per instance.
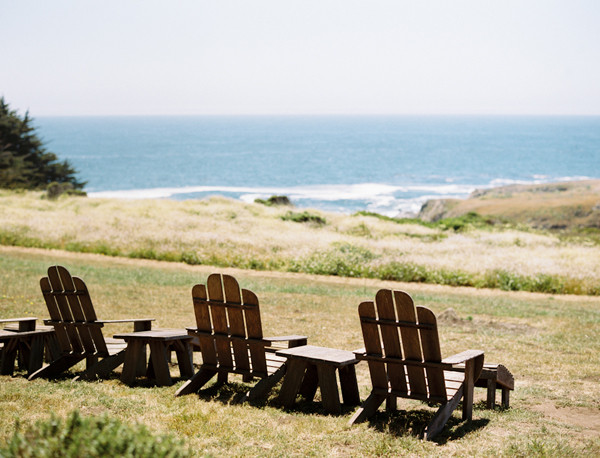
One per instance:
(28, 346)
(309, 367)
(161, 342)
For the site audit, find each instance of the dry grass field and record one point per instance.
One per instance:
(551, 343)
(227, 233)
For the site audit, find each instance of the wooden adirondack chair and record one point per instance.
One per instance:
(78, 331)
(403, 352)
(229, 333)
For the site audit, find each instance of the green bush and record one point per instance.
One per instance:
(79, 436)
(275, 201)
(304, 217)
(55, 190)
(464, 222)
(343, 260)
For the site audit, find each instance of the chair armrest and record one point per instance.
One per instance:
(462, 357)
(139, 324)
(360, 351)
(294, 341)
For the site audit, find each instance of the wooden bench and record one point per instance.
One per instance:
(310, 366)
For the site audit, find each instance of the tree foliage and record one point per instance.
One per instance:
(24, 161)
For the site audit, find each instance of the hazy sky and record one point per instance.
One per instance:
(102, 57)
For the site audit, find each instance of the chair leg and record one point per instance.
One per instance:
(368, 408)
(103, 367)
(469, 384)
(198, 380)
(36, 357)
(442, 415)
(9, 354)
(56, 367)
(263, 386)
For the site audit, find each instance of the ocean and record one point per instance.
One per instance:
(385, 164)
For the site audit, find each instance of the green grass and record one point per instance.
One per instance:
(551, 344)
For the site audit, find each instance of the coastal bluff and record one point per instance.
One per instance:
(563, 205)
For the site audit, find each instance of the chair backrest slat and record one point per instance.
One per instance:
(94, 338)
(373, 345)
(67, 319)
(218, 314)
(254, 329)
(411, 341)
(203, 323)
(237, 327)
(73, 301)
(391, 342)
(430, 343)
(53, 310)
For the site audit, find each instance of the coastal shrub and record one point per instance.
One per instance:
(304, 217)
(456, 224)
(398, 271)
(190, 257)
(395, 219)
(452, 278)
(464, 222)
(17, 236)
(78, 436)
(344, 260)
(274, 201)
(55, 190)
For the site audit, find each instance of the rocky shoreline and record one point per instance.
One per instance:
(563, 205)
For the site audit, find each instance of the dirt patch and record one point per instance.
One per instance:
(584, 417)
(449, 317)
(517, 328)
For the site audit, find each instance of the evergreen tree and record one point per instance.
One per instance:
(24, 162)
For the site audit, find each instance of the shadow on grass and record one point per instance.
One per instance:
(234, 393)
(413, 422)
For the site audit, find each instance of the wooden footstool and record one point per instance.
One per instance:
(161, 342)
(309, 367)
(496, 377)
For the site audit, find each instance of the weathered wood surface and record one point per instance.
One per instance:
(406, 361)
(229, 333)
(314, 354)
(26, 347)
(495, 377)
(77, 329)
(23, 324)
(160, 342)
(311, 367)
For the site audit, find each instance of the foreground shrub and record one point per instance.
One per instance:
(79, 436)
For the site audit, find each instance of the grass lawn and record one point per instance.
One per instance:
(551, 343)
